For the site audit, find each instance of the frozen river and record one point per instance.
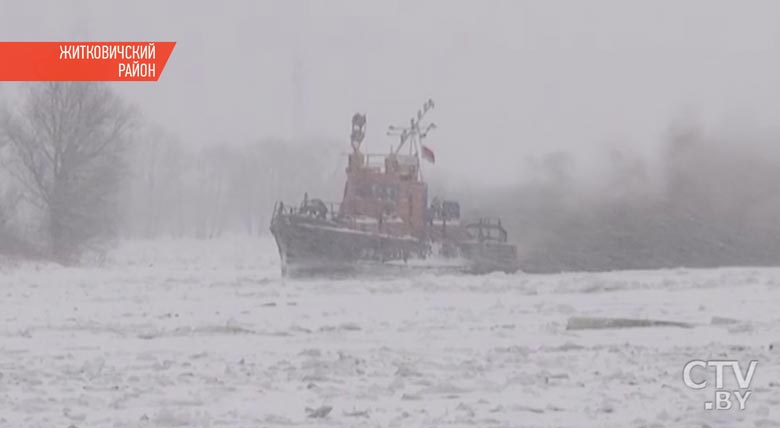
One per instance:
(206, 334)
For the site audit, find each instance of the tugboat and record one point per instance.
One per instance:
(384, 219)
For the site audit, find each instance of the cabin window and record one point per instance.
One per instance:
(392, 192)
(450, 210)
(379, 191)
(364, 191)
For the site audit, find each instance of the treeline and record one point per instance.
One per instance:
(175, 190)
(80, 168)
(712, 199)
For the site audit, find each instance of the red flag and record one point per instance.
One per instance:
(428, 155)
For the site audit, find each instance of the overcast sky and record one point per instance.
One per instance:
(510, 78)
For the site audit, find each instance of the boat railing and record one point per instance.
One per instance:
(378, 162)
(316, 208)
(487, 229)
(375, 160)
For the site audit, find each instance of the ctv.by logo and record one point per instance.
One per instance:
(723, 397)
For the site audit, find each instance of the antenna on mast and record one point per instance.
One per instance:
(414, 133)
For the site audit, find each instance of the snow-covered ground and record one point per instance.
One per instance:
(206, 334)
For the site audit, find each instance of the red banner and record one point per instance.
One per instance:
(83, 61)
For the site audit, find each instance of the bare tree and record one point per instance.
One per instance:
(69, 140)
(152, 198)
(4, 209)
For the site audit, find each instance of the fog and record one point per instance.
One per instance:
(606, 135)
(711, 200)
(510, 78)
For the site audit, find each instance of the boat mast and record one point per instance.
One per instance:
(414, 134)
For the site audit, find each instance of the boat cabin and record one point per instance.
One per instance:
(384, 193)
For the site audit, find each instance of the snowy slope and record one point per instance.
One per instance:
(206, 334)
